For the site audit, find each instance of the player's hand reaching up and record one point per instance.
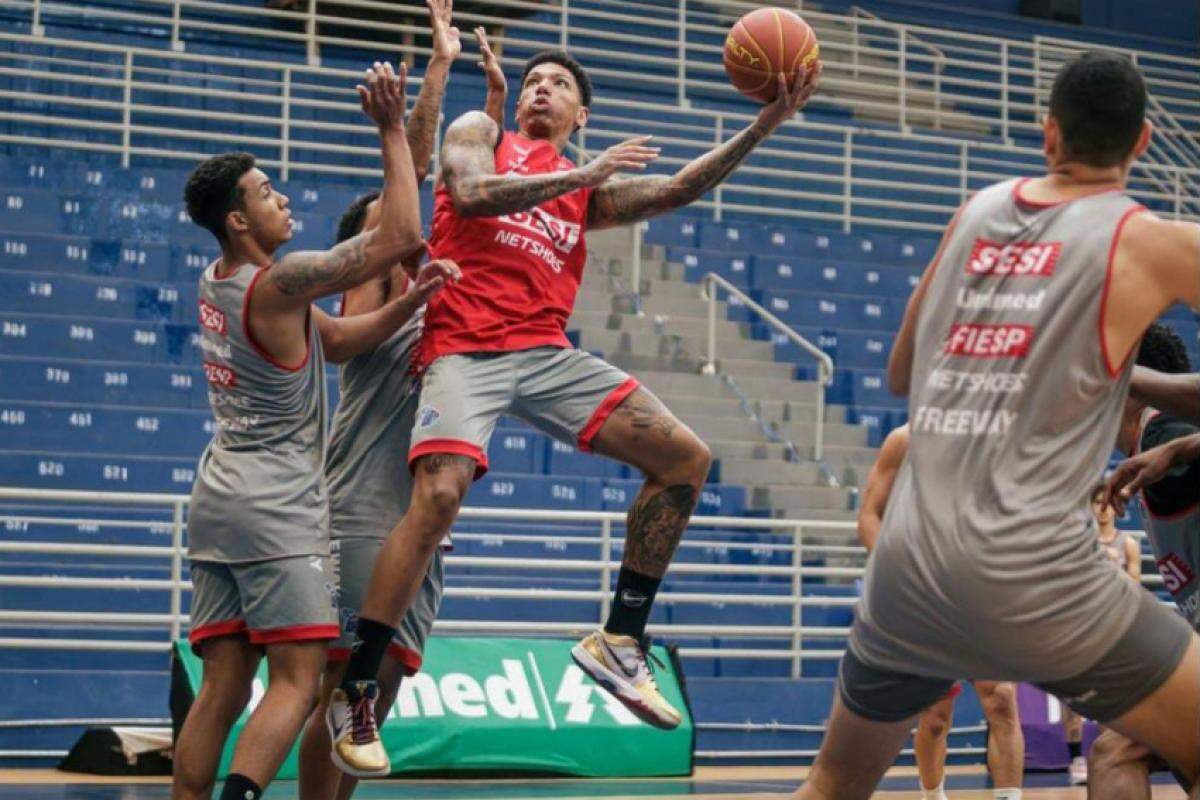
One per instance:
(447, 43)
(384, 97)
(432, 277)
(789, 100)
(1135, 473)
(489, 63)
(631, 155)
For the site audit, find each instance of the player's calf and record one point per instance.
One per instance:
(1118, 768)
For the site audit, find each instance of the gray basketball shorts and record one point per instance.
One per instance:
(566, 393)
(353, 561)
(1133, 669)
(281, 600)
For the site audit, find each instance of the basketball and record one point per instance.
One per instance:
(765, 43)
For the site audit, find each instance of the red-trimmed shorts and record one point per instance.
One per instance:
(565, 392)
(281, 600)
(353, 562)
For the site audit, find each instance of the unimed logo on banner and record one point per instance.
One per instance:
(516, 692)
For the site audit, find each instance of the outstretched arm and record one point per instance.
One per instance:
(621, 202)
(469, 170)
(497, 86)
(423, 121)
(343, 338)
(299, 278)
(1176, 394)
(879, 486)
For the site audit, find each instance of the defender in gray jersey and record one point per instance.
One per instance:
(1169, 479)
(1016, 345)
(258, 523)
(367, 469)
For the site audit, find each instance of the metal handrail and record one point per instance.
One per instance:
(713, 281)
(604, 567)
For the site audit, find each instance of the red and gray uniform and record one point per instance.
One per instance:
(495, 341)
(370, 486)
(1173, 516)
(258, 521)
(988, 563)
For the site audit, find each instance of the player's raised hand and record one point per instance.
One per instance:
(1134, 473)
(432, 277)
(489, 63)
(447, 42)
(791, 99)
(384, 97)
(631, 155)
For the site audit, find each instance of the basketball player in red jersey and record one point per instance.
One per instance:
(513, 210)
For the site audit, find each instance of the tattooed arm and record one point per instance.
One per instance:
(469, 170)
(299, 278)
(343, 338)
(625, 201)
(497, 86)
(423, 121)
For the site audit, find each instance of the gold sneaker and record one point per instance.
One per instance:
(618, 663)
(356, 749)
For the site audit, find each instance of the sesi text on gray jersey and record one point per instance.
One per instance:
(260, 489)
(988, 564)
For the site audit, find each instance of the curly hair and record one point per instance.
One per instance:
(1162, 349)
(212, 191)
(563, 59)
(351, 223)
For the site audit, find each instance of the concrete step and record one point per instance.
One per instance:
(743, 368)
(761, 471)
(772, 411)
(675, 382)
(648, 343)
(807, 498)
(743, 450)
(654, 324)
(803, 434)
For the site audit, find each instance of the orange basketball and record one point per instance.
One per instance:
(763, 44)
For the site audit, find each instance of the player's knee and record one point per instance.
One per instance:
(934, 727)
(443, 497)
(1000, 704)
(690, 464)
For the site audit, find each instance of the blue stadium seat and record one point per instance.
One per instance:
(671, 231)
(104, 340)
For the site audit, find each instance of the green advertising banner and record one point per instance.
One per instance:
(505, 705)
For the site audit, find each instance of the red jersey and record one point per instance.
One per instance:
(520, 272)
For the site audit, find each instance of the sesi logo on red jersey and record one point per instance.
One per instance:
(989, 341)
(1018, 258)
(219, 375)
(562, 234)
(212, 318)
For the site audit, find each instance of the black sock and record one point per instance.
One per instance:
(239, 787)
(1075, 749)
(631, 603)
(370, 645)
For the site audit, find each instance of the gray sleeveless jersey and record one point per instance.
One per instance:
(1115, 549)
(260, 489)
(1174, 532)
(988, 564)
(369, 482)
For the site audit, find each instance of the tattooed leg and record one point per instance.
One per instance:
(440, 482)
(642, 433)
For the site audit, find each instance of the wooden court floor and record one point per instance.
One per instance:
(709, 783)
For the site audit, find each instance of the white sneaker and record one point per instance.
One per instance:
(618, 663)
(356, 748)
(1078, 771)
